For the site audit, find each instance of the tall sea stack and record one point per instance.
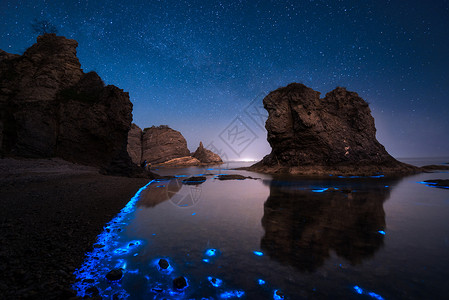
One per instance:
(310, 135)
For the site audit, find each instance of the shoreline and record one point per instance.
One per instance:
(51, 212)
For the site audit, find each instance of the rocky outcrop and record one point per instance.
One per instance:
(134, 147)
(206, 156)
(161, 143)
(335, 134)
(163, 146)
(50, 107)
(185, 161)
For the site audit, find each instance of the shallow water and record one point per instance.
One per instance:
(340, 238)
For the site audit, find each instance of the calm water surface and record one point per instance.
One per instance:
(340, 238)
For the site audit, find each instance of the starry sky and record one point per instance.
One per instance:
(203, 67)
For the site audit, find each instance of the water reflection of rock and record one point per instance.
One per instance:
(302, 227)
(159, 192)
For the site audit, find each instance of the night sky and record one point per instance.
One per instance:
(203, 67)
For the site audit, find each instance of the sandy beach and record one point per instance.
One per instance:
(50, 214)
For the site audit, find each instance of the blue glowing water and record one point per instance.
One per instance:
(276, 238)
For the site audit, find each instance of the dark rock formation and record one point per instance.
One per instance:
(303, 226)
(194, 180)
(180, 283)
(160, 144)
(206, 156)
(233, 177)
(135, 144)
(163, 264)
(336, 134)
(50, 107)
(115, 274)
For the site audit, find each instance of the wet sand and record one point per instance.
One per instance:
(50, 214)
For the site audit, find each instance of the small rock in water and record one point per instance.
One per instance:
(232, 177)
(163, 263)
(179, 283)
(194, 180)
(115, 274)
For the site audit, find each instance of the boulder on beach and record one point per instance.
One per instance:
(336, 134)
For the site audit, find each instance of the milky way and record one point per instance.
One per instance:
(197, 65)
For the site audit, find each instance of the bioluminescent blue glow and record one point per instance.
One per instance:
(381, 232)
(258, 253)
(232, 294)
(158, 186)
(433, 184)
(193, 181)
(193, 214)
(98, 262)
(261, 281)
(277, 295)
(206, 260)
(358, 290)
(353, 176)
(215, 281)
(131, 246)
(211, 252)
(361, 291)
(375, 296)
(320, 190)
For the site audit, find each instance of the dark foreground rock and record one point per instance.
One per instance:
(115, 275)
(194, 180)
(180, 283)
(233, 177)
(49, 107)
(206, 156)
(163, 264)
(50, 215)
(333, 135)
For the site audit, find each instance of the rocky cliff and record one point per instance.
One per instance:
(206, 156)
(161, 143)
(333, 135)
(50, 107)
(135, 144)
(163, 146)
